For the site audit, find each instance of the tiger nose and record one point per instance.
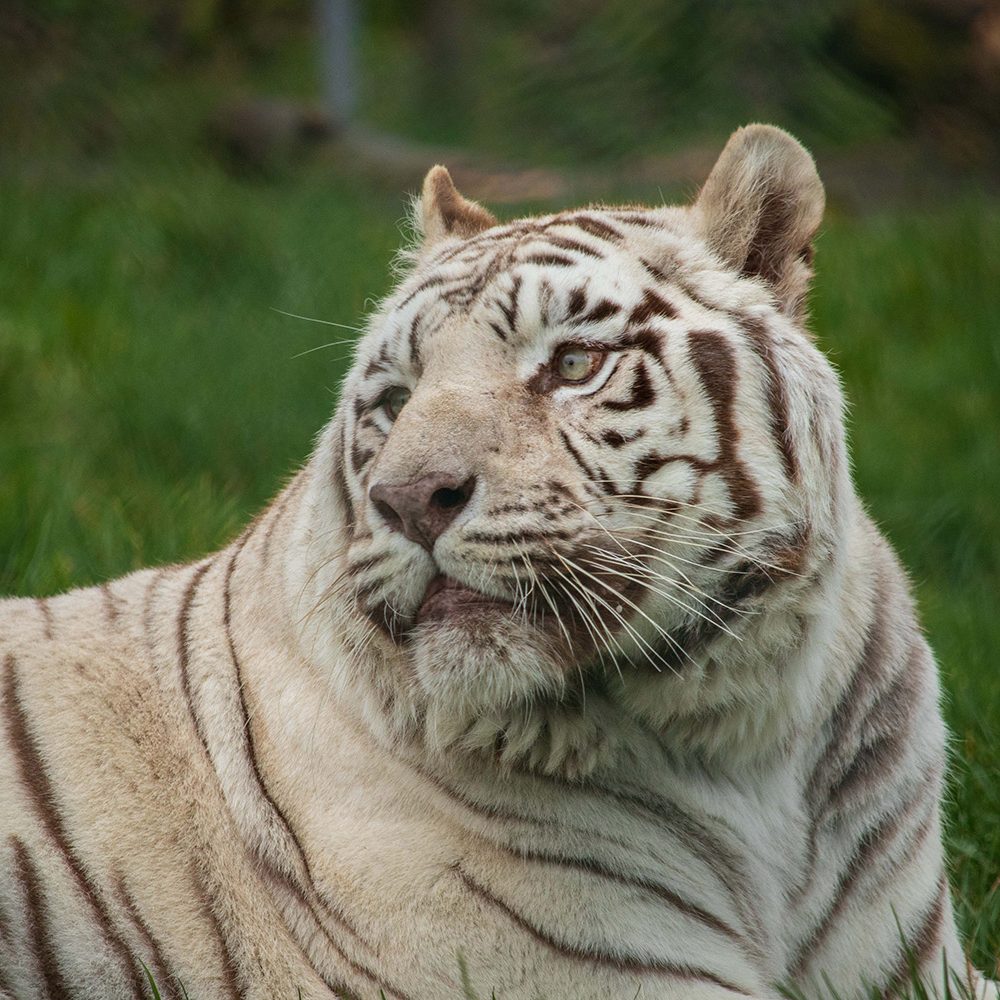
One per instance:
(424, 508)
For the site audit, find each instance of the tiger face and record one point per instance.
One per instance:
(584, 446)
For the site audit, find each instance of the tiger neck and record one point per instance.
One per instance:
(741, 700)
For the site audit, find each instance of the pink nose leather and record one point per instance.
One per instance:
(424, 508)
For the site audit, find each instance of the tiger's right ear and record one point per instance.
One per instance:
(442, 213)
(760, 209)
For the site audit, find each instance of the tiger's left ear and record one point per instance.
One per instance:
(760, 209)
(442, 213)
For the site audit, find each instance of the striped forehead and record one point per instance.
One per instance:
(518, 280)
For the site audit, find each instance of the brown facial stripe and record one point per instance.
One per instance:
(872, 845)
(654, 270)
(646, 340)
(546, 298)
(638, 217)
(510, 537)
(35, 780)
(576, 302)
(716, 363)
(367, 563)
(592, 227)
(434, 281)
(603, 309)
(166, 981)
(413, 341)
(596, 478)
(498, 330)
(340, 483)
(606, 959)
(615, 439)
(548, 260)
(652, 306)
(916, 954)
(641, 395)
(37, 921)
(510, 307)
(360, 457)
(777, 399)
(184, 651)
(576, 246)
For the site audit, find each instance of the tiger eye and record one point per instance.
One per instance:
(394, 400)
(576, 364)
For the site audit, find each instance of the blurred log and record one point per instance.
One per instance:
(262, 136)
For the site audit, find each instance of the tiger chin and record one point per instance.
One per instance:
(570, 664)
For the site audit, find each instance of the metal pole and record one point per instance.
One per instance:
(337, 24)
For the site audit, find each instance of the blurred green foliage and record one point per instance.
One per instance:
(555, 80)
(609, 79)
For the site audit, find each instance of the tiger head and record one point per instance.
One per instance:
(587, 452)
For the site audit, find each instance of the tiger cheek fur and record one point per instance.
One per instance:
(570, 654)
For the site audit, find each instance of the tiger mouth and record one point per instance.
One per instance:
(447, 599)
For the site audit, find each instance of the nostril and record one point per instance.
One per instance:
(447, 498)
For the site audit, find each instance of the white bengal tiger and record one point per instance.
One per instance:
(570, 665)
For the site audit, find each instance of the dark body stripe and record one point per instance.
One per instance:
(166, 981)
(916, 953)
(37, 922)
(249, 750)
(246, 729)
(184, 652)
(694, 836)
(35, 780)
(42, 603)
(283, 504)
(110, 603)
(621, 963)
(592, 866)
(872, 845)
(229, 966)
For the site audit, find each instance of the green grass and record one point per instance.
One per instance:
(151, 398)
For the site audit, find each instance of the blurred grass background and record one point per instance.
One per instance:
(152, 396)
